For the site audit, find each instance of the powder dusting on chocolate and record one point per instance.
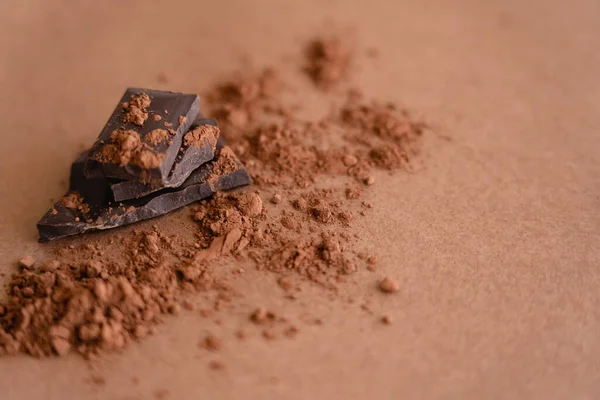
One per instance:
(74, 201)
(202, 136)
(136, 109)
(157, 136)
(126, 147)
(87, 299)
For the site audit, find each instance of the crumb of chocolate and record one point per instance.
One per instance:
(269, 334)
(161, 394)
(276, 199)
(241, 334)
(216, 365)
(156, 117)
(261, 316)
(369, 181)
(250, 204)
(211, 343)
(136, 109)
(202, 136)
(157, 136)
(173, 308)
(207, 313)
(27, 262)
(328, 61)
(182, 119)
(162, 78)
(387, 319)
(353, 193)
(291, 331)
(389, 285)
(98, 380)
(166, 123)
(349, 160)
(289, 221)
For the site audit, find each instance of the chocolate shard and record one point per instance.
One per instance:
(143, 135)
(88, 205)
(199, 146)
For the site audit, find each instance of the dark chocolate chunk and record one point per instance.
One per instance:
(198, 147)
(88, 204)
(142, 137)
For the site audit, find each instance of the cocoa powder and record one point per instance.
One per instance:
(87, 299)
(126, 147)
(136, 109)
(157, 136)
(201, 136)
(327, 61)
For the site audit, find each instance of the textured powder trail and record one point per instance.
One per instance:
(90, 300)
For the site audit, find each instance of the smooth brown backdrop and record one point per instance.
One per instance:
(495, 237)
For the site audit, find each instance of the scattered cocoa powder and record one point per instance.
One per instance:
(353, 193)
(269, 334)
(328, 61)
(261, 316)
(161, 394)
(98, 380)
(211, 343)
(241, 334)
(388, 285)
(188, 305)
(239, 101)
(86, 300)
(276, 199)
(291, 331)
(207, 313)
(27, 262)
(216, 365)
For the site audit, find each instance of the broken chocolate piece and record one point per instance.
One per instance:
(96, 210)
(133, 146)
(198, 147)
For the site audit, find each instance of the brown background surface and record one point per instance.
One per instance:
(495, 237)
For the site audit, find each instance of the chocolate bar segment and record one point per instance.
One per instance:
(143, 135)
(198, 147)
(88, 204)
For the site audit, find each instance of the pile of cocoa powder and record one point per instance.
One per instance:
(89, 299)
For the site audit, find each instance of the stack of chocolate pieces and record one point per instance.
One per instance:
(155, 154)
